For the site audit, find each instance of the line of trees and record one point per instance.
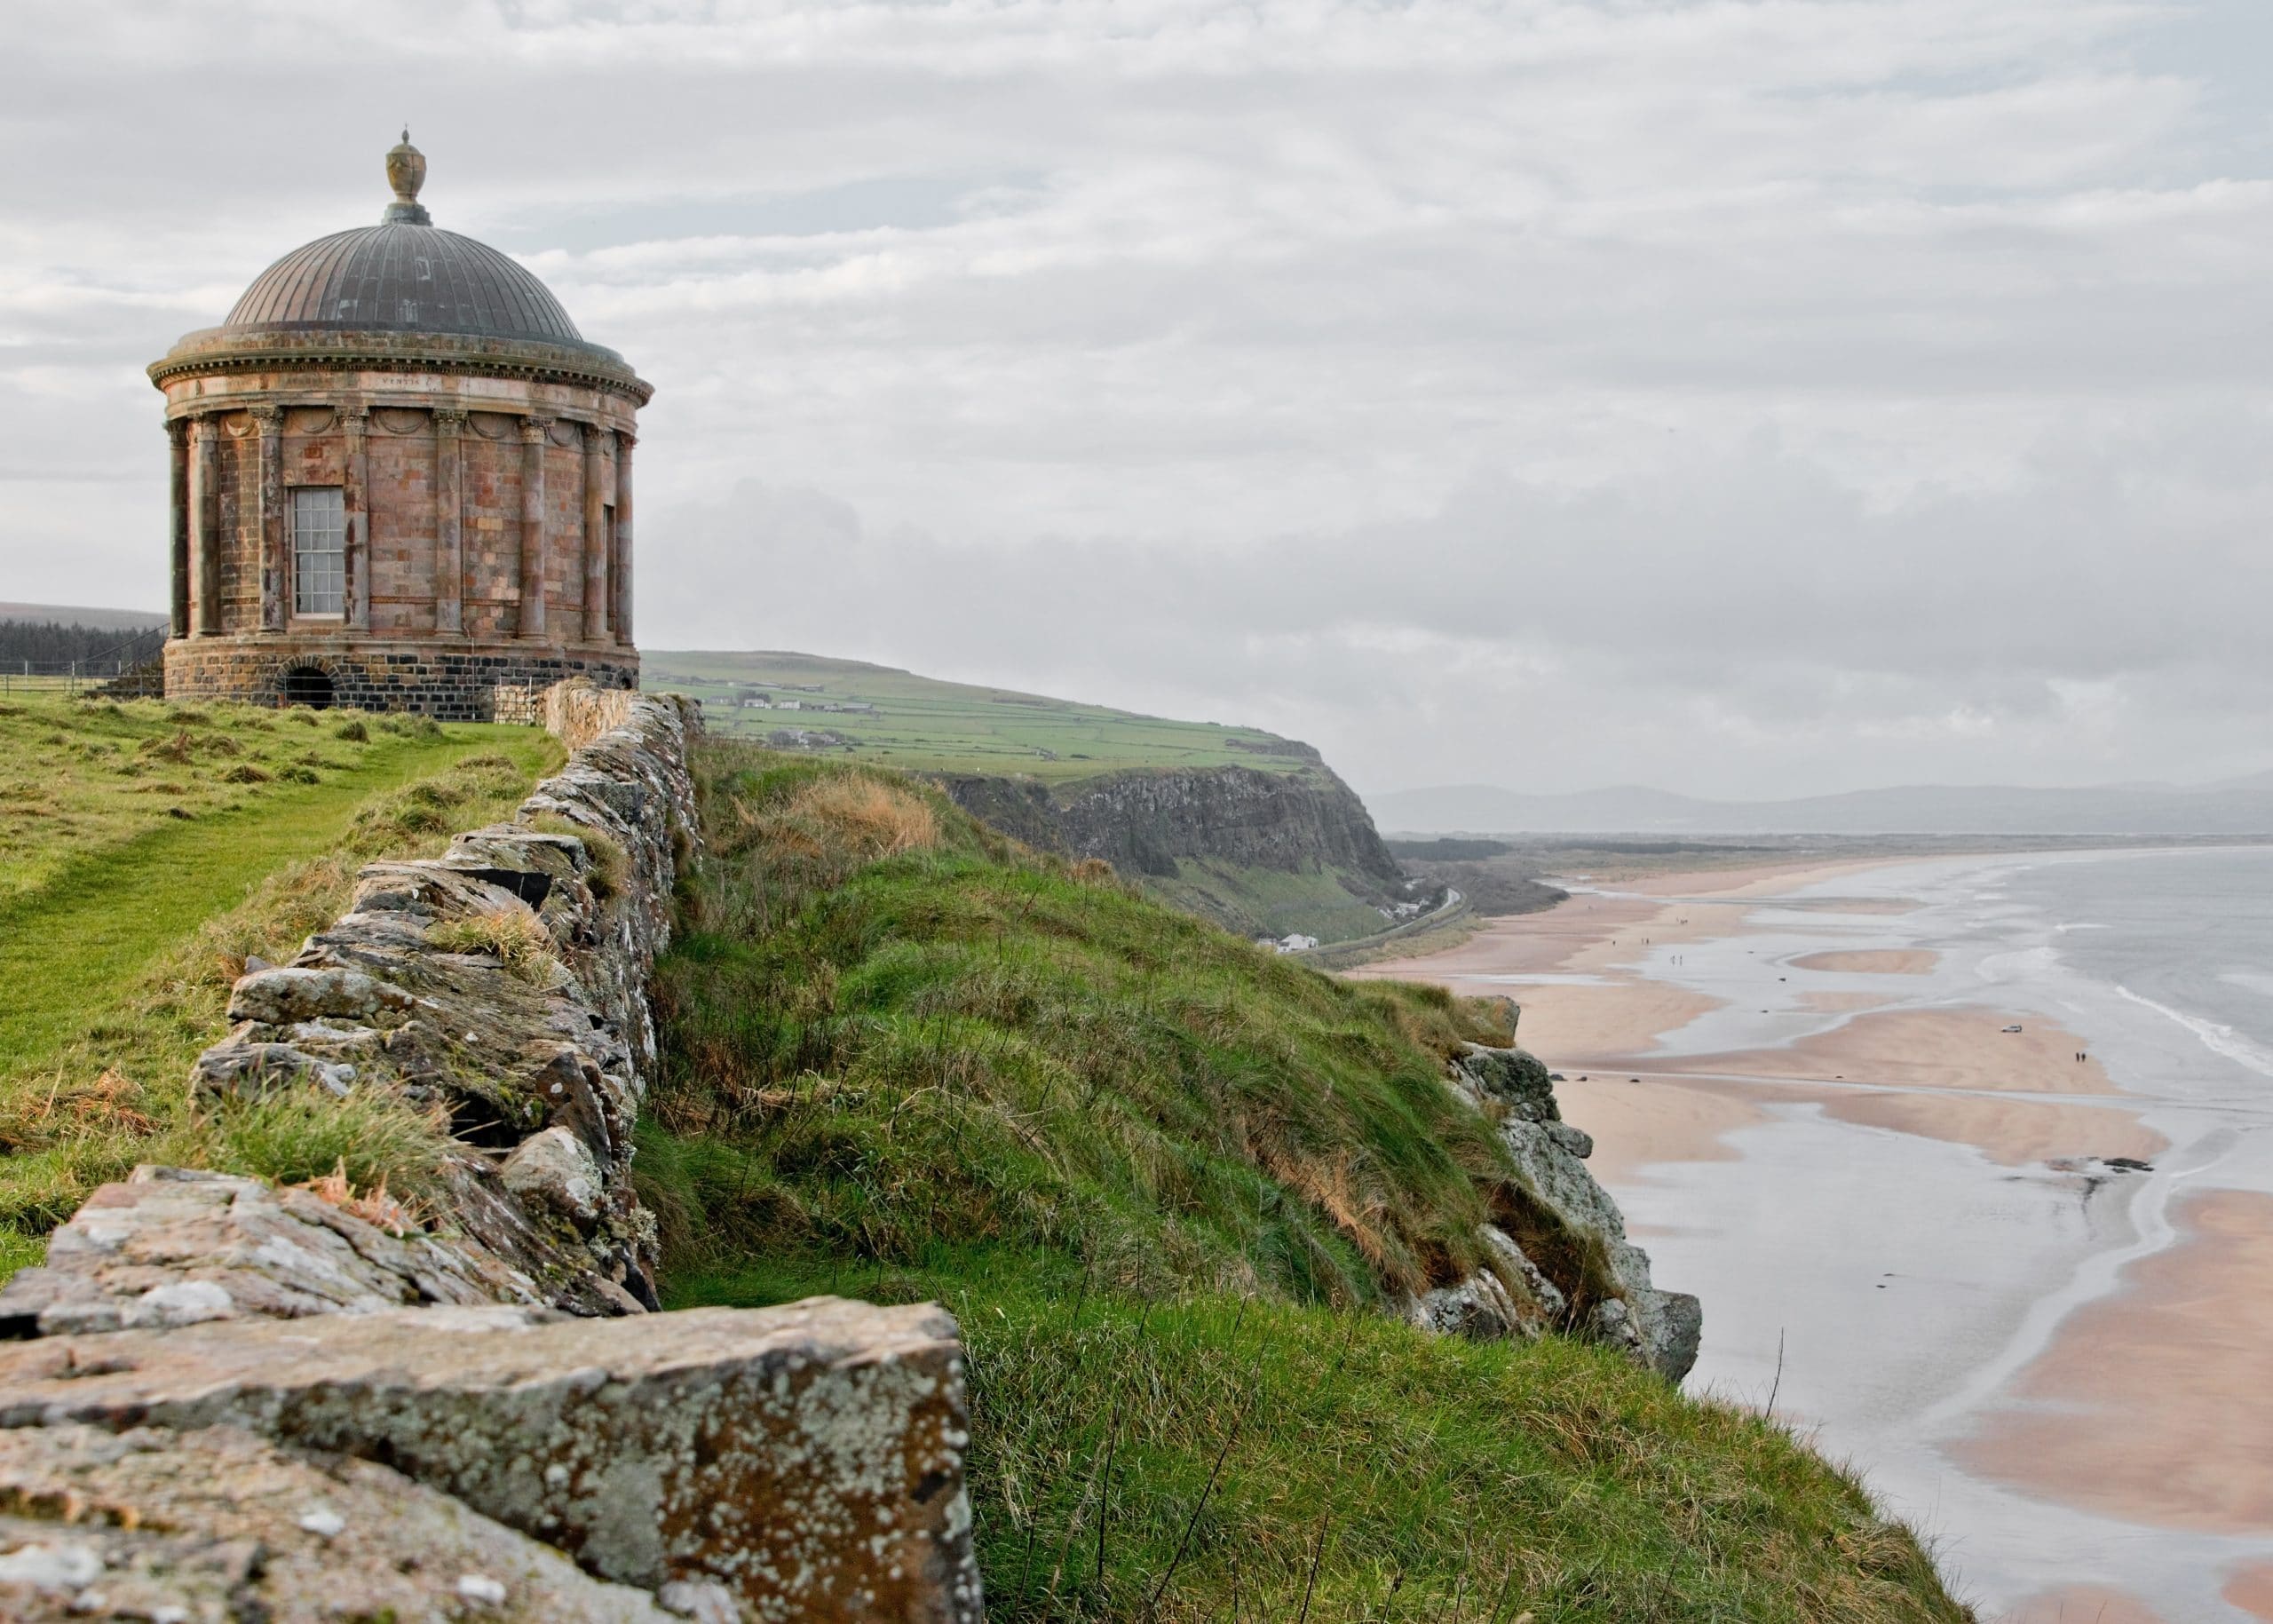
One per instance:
(52, 643)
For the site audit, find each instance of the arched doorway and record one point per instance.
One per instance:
(309, 686)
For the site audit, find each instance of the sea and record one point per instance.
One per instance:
(1884, 1289)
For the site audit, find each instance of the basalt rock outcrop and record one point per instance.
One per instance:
(1566, 1226)
(230, 1401)
(1146, 823)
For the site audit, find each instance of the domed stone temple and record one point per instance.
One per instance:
(401, 480)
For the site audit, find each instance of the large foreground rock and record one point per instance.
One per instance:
(218, 1526)
(1661, 1328)
(176, 1245)
(803, 1462)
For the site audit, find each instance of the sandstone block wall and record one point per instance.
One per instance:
(503, 1354)
(449, 681)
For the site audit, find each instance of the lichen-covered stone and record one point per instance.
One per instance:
(1580, 1233)
(1515, 1077)
(1506, 1299)
(1662, 1327)
(554, 1034)
(554, 1167)
(807, 1460)
(217, 1526)
(1510, 1298)
(174, 1246)
(282, 995)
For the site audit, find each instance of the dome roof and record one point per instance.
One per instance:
(411, 277)
(404, 274)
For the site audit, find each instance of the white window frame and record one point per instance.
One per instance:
(306, 583)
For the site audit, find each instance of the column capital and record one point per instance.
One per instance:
(535, 427)
(271, 418)
(628, 439)
(355, 417)
(449, 420)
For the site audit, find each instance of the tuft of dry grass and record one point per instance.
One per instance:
(514, 935)
(608, 872)
(374, 1205)
(868, 817)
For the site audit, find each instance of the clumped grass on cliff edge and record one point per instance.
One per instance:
(890, 1029)
(1161, 1176)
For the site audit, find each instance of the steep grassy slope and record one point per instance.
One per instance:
(1242, 827)
(147, 852)
(1167, 1181)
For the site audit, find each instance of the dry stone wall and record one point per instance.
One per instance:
(503, 1354)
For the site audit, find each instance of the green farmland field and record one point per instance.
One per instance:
(921, 726)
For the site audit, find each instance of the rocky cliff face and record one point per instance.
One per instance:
(1565, 1224)
(1146, 823)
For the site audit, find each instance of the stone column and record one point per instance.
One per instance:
(534, 555)
(177, 526)
(356, 498)
(204, 525)
(449, 565)
(620, 610)
(594, 534)
(271, 419)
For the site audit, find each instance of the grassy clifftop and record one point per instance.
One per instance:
(1239, 826)
(146, 850)
(1169, 1181)
(922, 724)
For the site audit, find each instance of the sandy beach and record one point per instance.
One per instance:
(2055, 1362)
(2154, 1404)
(1587, 1008)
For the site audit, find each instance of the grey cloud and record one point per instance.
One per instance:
(1763, 398)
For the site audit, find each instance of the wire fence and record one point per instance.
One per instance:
(129, 668)
(30, 676)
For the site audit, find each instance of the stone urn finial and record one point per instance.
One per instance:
(405, 173)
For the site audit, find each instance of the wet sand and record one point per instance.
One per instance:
(1645, 1008)
(2153, 1405)
(1608, 1018)
(2251, 1590)
(1579, 1026)
(2083, 1605)
(1874, 961)
(1639, 1125)
(1964, 1047)
(2013, 1132)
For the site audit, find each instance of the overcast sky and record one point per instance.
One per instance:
(1745, 399)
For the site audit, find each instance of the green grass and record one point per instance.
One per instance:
(950, 729)
(923, 726)
(1167, 1181)
(1251, 1441)
(120, 936)
(1272, 902)
(890, 1028)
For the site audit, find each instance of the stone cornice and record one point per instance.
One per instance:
(218, 350)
